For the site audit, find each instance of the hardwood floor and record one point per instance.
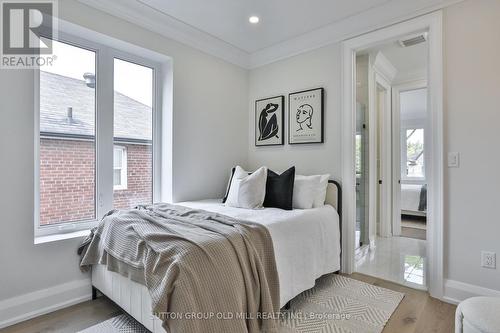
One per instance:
(69, 320)
(417, 313)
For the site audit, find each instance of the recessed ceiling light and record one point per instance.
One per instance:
(253, 19)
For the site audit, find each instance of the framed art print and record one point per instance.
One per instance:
(270, 121)
(305, 116)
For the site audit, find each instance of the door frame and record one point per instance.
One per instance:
(432, 23)
(385, 127)
(396, 148)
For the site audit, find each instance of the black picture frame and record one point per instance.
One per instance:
(279, 138)
(318, 137)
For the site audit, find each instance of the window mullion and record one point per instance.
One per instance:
(104, 101)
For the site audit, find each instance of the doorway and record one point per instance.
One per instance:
(382, 225)
(410, 159)
(393, 124)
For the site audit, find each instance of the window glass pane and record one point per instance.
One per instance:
(133, 129)
(117, 158)
(415, 152)
(117, 177)
(67, 136)
(413, 115)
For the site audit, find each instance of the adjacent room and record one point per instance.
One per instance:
(190, 166)
(391, 187)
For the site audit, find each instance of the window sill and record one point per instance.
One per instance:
(62, 236)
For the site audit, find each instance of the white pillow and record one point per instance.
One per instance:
(247, 191)
(319, 200)
(305, 189)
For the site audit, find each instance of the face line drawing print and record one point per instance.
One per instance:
(268, 128)
(304, 115)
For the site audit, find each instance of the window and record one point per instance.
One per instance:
(413, 153)
(79, 179)
(133, 127)
(67, 141)
(119, 168)
(413, 114)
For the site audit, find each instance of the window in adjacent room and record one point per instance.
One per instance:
(413, 156)
(413, 109)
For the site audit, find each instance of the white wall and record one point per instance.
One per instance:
(472, 118)
(210, 122)
(472, 81)
(319, 68)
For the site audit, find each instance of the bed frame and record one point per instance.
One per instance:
(134, 298)
(334, 198)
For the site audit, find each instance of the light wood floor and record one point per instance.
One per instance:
(417, 313)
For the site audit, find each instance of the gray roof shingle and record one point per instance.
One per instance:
(132, 119)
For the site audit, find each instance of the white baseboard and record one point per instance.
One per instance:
(456, 291)
(40, 302)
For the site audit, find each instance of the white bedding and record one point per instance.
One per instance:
(306, 242)
(410, 197)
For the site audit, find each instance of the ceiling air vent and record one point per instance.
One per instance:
(413, 40)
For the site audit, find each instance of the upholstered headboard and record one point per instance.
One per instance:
(334, 195)
(334, 198)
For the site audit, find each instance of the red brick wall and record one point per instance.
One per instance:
(67, 181)
(139, 178)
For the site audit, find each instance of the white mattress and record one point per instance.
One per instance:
(306, 242)
(410, 197)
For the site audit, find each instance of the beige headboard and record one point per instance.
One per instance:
(334, 195)
(334, 198)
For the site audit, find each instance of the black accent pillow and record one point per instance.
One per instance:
(279, 189)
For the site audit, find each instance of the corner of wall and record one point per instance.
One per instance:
(20, 308)
(456, 291)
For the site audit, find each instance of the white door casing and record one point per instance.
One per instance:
(432, 23)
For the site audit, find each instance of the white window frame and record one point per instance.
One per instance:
(106, 49)
(122, 168)
(404, 153)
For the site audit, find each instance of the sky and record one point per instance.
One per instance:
(132, 80)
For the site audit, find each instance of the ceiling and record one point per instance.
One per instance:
(280, 20)
(407, 60)
(286, 27)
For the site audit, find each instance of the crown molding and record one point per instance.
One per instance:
(384, 67)
(144, 16)
(375, 18)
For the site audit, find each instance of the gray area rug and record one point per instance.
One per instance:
(336, 304)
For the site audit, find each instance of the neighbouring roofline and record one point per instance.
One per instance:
(79, 137)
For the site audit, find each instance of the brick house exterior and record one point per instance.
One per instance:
(67, 150)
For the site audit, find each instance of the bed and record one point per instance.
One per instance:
(413, 199)
(307, 245)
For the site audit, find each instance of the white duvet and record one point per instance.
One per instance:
(410, 197)
(306, 241)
